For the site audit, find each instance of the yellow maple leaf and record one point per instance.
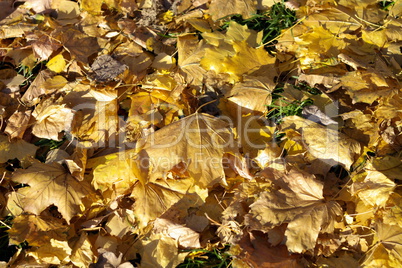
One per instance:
(198, 141)
(324, 143)
(376, 184)
(244, 60)
(191, 51)
(82, 254)
(299, 203)
(36, 230)
(50, 184)
(386, 252)
(244, 7)
(367, 86)
(54, 252)
(51, 119)
(161, 251)
(152, 199)
(47, 236)
(19, 149)
(117, 173)
(95, 115)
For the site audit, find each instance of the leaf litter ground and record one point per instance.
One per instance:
(201, 134)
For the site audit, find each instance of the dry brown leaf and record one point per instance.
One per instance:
(51, 185)
(78, 44)
(17, 124)
(36, 89)
(43, 45)
(6, 8)
(256, 252)
(135, 58)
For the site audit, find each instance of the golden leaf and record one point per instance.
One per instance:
(191, 51)
(245, 60)
(387, 251)
(56, 64)
(55, 252)
(198, 141)
(117, 173)
(301, 204)
(152, 199)
(161, 251)
(324, 143)
(82, 253)
(51, 119)
(19, 149)
(50, 184)
(96, 121)
(37, 230)
(244, 7)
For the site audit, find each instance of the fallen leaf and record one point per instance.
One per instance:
(118, 173)
(119, 224)
(243, 96)
(106, 68)
(313, 113)
(108, 258)
(242, 60)
(19, 149)
(68, 12)
(82, 254)
(256, 252)
(95, 122)
(79, 45)
(50, 184)
(387, 249)
(186, 237)
(154, 198)
(51, 119)
(299, 202)
(324, 143)
(244, 7)
(56, 64)
(199, 141)
(54, 252)
(161, 251)
(43, 46)
(37, 230)
(191, 51)
(36, 89)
